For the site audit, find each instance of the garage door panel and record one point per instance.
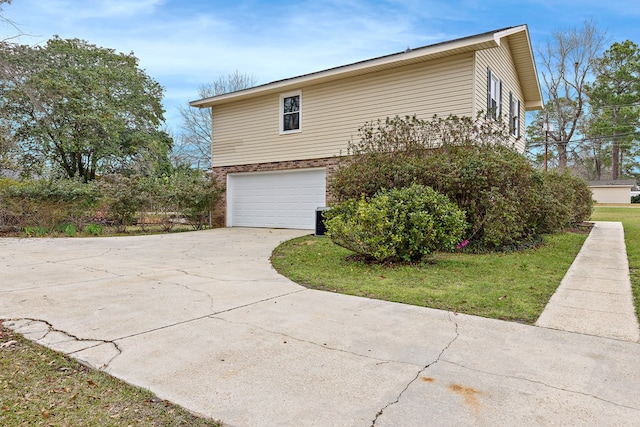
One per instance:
(285, 199)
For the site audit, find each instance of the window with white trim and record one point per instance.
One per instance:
(494, 95)
(291, 112)
(514, 116)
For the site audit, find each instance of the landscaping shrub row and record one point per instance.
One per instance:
(44, 207)
(507, 202)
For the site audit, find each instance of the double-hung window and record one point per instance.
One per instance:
(514, 116)
(291, 112)
(494, 95)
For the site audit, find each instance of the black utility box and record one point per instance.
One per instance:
(320, 228)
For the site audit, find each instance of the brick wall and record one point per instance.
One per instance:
(220, 175)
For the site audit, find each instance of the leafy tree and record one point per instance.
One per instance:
(76, 108)
(565, 63)
(7, 145)
(143, 153)
(615, 103)
(194, 146)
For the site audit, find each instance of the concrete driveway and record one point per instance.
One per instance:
(203, 320)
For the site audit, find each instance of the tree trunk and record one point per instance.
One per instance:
(615, 156)
(562, 155)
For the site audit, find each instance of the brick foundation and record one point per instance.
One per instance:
(220, 175)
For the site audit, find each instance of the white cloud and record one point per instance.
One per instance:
(183, 44)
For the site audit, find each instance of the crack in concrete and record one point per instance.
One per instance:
(75, 259)
(587, 334)
(180, 285)
(52, 286)
(232, 279)
(529, 380)
(51, 328)
(420, 372)
(323, 346)
(208, 315)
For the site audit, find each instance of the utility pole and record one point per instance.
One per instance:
(546, 128)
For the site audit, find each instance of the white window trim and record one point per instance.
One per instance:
(494, 96)
(281, 117)
(514, 116)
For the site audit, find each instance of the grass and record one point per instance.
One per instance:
(512, 286)
(39, 386)
(630, 218)
(94, 230)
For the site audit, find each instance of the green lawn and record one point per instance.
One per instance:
(630, 218)
(510, 286)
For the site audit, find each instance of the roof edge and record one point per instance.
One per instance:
(475, 42)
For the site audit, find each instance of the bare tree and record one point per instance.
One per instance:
(566, 63)
(6, 21)
(193, 145)
(8, 146)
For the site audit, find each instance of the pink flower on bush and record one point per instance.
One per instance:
(462, 244)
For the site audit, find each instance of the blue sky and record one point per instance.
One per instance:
(185, 43)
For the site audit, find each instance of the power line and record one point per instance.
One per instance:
(611, 106)
(581, 140)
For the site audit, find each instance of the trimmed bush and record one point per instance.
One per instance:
(406, 224)
(565, 200)
(583, 207)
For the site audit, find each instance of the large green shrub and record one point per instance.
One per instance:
(402, 223)
(506, 200)
(563, 200)
(583, 200)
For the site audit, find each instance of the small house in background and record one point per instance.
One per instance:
(614, 192)
(275, 146)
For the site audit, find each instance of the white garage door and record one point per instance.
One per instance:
(284, 199)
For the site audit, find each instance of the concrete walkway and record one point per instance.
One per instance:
(202, 319)
(595, 295)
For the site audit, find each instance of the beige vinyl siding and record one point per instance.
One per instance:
(246, 132)
(500, 61)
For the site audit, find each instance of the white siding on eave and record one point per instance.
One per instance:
(500, 61)
(246, 132)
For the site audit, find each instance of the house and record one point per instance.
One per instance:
(613, 192)
(275, 146)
